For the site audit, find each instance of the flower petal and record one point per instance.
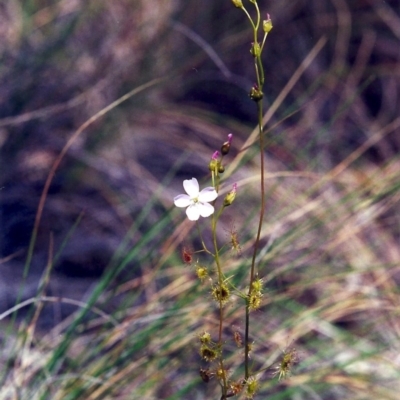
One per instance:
(208, 194)
(182, 200)
(205, 209)
(193, 212)
(191, 187)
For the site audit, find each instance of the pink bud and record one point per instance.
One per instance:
(215, 156)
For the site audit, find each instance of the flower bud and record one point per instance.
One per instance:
(237, 3)
(255, 93)
(230, 197)
(227, 145)
(225, 148)
(255, 49)
(214, 163)
(267, 24)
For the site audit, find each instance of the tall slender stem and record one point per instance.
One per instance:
(260, 222)
(221, 313)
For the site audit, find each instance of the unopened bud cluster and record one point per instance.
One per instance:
(256, 49)
(215, 165)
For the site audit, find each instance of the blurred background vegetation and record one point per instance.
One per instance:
(330, 257)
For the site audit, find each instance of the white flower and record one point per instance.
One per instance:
(195, 201)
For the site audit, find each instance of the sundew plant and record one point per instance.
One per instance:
(216, 274)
